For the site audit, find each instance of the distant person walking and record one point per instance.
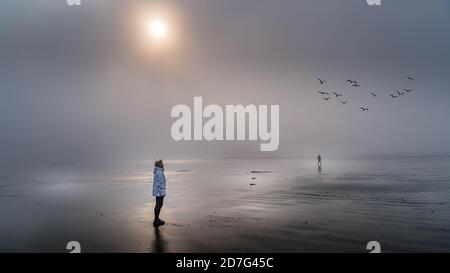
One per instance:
(319, 161)
(159, 190)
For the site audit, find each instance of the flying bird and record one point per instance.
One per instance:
(337, 95)
(323, 93)
(356, 85)
(408, 90)
(326, 98)
(344, 102)
(364, 108)
(352, 82)
(410, 78)
(373, 94)
(321, 81)
(393, 96)
(400, 93)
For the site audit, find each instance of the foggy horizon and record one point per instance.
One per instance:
(78, 84)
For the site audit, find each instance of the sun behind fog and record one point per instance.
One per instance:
(157, 30)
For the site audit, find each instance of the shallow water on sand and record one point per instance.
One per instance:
(220, 205)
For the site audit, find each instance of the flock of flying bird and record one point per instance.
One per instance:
(353, 83)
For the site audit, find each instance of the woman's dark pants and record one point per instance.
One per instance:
(158, 206)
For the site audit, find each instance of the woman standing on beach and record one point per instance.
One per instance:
(159, 190)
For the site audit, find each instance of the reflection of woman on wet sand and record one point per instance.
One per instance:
(159, 190)
(319, 161)
(159, 245)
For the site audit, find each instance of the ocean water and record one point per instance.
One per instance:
(232, 205)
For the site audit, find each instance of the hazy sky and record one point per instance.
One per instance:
(78, 83)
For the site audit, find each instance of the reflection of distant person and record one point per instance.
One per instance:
(319, 161)
(159, 190)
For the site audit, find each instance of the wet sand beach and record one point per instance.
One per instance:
(232, 205)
